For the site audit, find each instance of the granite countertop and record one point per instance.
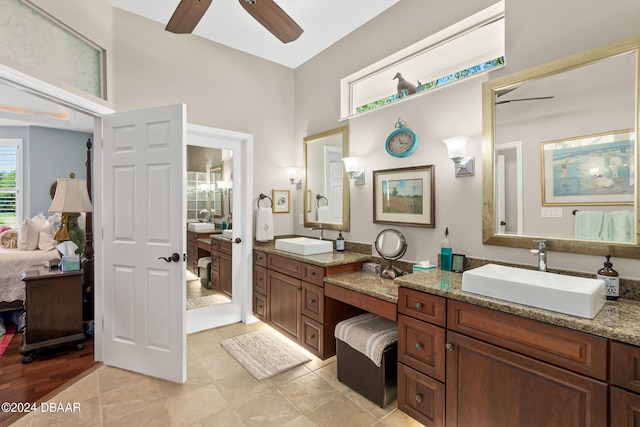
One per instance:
(366, 283)
(330, 259)
(618, 320)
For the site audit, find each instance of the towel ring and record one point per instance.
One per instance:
(264, 196)
(318, 198)
(574, 211)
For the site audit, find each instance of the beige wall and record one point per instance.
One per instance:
(537, 32)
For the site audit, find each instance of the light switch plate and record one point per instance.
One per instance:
(551, 212)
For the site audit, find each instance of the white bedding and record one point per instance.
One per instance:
(13, 263)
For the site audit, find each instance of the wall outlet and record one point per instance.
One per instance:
(300, 220)
(551, 212)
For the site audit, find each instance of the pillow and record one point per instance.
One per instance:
(5, 228)
(46, 241)
(29, 233)
(9, 238)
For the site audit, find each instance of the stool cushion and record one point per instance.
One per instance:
(369, 334)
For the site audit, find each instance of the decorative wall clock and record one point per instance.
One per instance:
(402, 141)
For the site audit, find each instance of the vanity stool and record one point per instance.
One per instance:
(367, 354)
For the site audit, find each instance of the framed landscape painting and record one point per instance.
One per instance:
(589, 170)
(405, 196)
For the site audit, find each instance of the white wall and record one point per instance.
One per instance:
(536, 32)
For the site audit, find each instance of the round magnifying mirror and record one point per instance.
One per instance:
(391, 245)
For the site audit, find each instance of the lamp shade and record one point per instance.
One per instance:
(71, 196)
(351, 164)
(456, 146)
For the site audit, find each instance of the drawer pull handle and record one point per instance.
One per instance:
(418, 346)
(311, 301)
(448, 347)
(312, 274)
(312, 337)
(418, 398)
(418, 306)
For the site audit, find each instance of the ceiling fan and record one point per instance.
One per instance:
(502, 92)
(266, 12)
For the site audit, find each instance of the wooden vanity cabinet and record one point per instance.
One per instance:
(421, 356)
(192, 252)
(289, 296)
(506, 370)
(624, 397)
(221, 276)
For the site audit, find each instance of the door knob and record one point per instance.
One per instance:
(175, 257)
(238, 240)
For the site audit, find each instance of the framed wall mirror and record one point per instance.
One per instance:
(326, 185)
(574, 122)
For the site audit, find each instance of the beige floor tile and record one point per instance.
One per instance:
(226, 418)
(340, 412)
(86, 413)
(301, 421)
(240, 388)
(398, 419)
(330, 374)
(110, 378)
(269, 409)
(308, 392)
(193, 406)
(129, 398)
(153, 415)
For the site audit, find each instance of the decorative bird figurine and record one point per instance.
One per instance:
(404, 86)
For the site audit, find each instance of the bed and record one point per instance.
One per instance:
(13, 263)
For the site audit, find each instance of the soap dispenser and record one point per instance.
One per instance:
(611, 279)
(340, 242)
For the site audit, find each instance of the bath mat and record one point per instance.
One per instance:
(264, 354)
(6, 338)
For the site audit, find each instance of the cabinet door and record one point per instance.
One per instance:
(285, 304)
(625, 408)
(260, 306)
(224, 273)
(488, 386)
(313, 301)
(625, 360)
(420, 396)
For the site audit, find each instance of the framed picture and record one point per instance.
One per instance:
(405, 196)
(589, 170)
(280, 200)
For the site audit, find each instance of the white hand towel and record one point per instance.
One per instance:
(264, 225)
(620, 226)
(324, 215)
(588, 225)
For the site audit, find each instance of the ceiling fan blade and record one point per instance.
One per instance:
(524, 99)
(187, 15)
(273, 18)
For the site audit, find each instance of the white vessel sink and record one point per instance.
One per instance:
(227, 234)
(576, 296)
(304, 246)
(201, 227)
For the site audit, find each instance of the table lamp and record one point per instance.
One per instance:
(70, 199)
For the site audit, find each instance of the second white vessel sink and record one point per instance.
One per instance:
(577, 296)
(304, 246)
(201, 227)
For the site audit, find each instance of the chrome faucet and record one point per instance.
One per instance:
(319, 227)
(542, 254)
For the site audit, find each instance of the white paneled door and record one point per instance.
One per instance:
(143, 241)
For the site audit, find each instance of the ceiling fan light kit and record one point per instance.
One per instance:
(189, 13)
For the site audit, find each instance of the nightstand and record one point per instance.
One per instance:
(53, 310)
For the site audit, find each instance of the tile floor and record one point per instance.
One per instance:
(218, 392)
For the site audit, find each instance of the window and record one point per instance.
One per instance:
(10, 181)
(467, 48)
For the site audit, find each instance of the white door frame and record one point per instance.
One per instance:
(29, 84)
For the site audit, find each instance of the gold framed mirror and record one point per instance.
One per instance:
(326, 185)
(550, 136)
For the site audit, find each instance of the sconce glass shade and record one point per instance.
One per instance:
(456, 146)
(351, 167)
(221, 185)
(71, 196)
(292, 173)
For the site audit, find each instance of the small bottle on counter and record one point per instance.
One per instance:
(611, 279)
(340, 242)
(446, 253)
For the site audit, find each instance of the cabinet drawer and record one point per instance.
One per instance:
(215, 244)
(313, 274)
(215, 261)
(423, 306)
(192, 236)
(260, 258)
(420, 396)
(312, 336)
(421, 346)
(576, 351)
(313, 301)
(625, 366)
(284, 265)
(215, 280)
(260, 306)
(260, 279)
(224, 247)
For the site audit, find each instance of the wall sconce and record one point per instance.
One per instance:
(292, 175)
(457, 147)
(351, 166)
